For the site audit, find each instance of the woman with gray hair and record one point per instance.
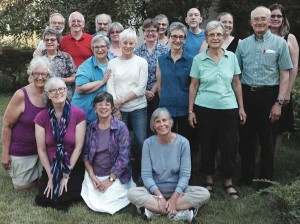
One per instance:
(216, 106)
(166, 170)
(19, 151)
(62, 64)
(127, 84)
(59, 131)
(114, 31)
(91, 77)
(173, 80)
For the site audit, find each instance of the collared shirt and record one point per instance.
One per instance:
(261, 60)
(175, 82)
(62, 65)
(80, 49)
(193, 42)
(88, 71)
(215, 89)
(143, 52)
(118, 146)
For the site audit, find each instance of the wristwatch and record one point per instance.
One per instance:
(111, 179)
(280, 102)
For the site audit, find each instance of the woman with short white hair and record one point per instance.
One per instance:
(127, 84)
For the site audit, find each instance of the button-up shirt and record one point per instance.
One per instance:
(118, 146)
(262, 59)
(175, 83)
(151, 58)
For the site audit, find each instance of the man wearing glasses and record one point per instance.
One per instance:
(265, 62)
(102, 22)
(195, 36)
(57, 22)
(77, 43)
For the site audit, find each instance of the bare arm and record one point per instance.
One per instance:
(95, 85)
(70, 79)
(40, 136)
(294, 53)
(283, 86)
(12, 113)
(237, 88)
(192, 95)
(158, 79)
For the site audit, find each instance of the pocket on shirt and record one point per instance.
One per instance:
(269, 59)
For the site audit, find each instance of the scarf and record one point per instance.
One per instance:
(60, 163)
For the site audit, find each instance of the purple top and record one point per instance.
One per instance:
(102, 163)
(42, 119)
(118, 146)
(23, 137)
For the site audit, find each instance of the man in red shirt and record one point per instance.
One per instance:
(77, 43)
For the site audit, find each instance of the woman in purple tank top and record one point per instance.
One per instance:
(19, 152)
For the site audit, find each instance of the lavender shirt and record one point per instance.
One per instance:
(23, 137)
(102, 163)
(118, 146)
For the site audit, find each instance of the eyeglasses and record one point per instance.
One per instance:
(258, 19)
(50, 39)
(57, 23)
(106, 104)
(58, 90)
(175, 37)
(102, 47)
(37, 74)
(278, 16)
(76, 21)
(102, 24)
(150, 31)
(115, 32)
(161, 24)
(213, 35)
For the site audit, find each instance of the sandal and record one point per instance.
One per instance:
(209, 187)
(234, 195)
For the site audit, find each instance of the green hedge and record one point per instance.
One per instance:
(13, 68)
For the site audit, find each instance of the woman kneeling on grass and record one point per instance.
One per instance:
(106, 157)
(166, 169)
(59, 131)
(19, 152)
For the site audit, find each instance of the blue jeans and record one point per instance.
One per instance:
(137, 119)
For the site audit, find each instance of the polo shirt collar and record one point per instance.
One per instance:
(264, 37)
(205, 56)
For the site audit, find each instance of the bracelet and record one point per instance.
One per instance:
(190, 111)
(67, 176)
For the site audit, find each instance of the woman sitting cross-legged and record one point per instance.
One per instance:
(166, 169)
(106, 157)
(59, 132)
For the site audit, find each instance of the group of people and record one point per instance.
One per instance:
(68, 130)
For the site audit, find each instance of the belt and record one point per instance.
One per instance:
(259, 88)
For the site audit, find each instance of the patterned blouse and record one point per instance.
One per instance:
(143, 52)
(62, 65)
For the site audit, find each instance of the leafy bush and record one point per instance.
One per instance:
(296, 100)
(286, 198)
(13, 67)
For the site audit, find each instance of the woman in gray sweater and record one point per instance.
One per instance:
(166, 170)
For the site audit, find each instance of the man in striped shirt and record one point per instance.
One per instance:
(265, 62)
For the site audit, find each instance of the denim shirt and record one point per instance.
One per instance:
(143, 52)
(118, 146)
(175, 83)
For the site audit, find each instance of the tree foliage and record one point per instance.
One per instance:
(21, 18)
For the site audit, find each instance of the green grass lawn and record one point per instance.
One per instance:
(251, 207)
